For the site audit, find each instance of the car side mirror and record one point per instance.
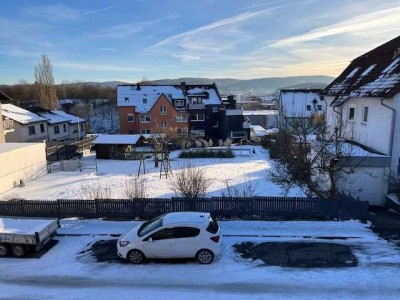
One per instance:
(150, 240)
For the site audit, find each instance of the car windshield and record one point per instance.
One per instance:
(149, 226)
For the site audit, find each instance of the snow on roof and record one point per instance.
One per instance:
(19, 114)
(65, 101)
(186, 217)
(258, 130)
(53, 118)
(373, 74)
(117, 139)
(234, 112)
(265, 112)
(294, 102)
(71, 118)
(144, 98)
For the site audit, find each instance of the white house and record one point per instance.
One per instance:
(58, 127)
(299, 103)
(22, 126)
(77, 128)
(365, 101)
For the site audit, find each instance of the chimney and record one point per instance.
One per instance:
(183, 83)
(138, 86)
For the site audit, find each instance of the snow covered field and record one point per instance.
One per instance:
(112, 174)
(65, 273)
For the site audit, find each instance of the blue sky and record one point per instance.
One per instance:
(154, 39)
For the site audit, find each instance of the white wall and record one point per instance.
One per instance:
(75, 132)
(62, 134)
(396, 139)
(369, 184)
(21, 133)
(21, 161)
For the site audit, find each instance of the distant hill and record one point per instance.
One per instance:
(259, 86)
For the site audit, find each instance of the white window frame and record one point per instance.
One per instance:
(145, 131)
(354, 115)
(163, 110)
(179, 103)
(130, 115)
(198, 132)
(164, 124)
(182, 131)
(145, 118)
(196, 100)
(365, 115)
(197, 117)
(181, 117)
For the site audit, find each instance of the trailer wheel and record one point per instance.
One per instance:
(18, 250)
(4, 250)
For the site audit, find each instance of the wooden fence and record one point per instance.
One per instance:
(66, 150)
(283, 208)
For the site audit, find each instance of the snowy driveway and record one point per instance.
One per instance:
(66, 273)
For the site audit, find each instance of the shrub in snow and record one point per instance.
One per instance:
(94, 190)
(248, 189)
(134, 188)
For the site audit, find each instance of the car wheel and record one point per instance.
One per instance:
(3, 250)
(136, 257)
(18, 250)
(205, 257)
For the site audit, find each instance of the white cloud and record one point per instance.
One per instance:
(187, 57)
(366, 25)
(122, 31)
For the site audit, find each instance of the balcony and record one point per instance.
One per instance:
(197, 106)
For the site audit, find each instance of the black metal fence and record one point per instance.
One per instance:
(283, 208)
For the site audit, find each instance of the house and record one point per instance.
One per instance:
(57, 126)
(183, 109)
(364, 103)
(299, 103)
(77, 125)
(264, 118)
(22, 126)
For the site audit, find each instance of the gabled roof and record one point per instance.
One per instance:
(19, 114)
(373, 74)
(52, 118)
(134, 95)
(71, 118)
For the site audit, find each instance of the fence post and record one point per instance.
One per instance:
(58, 209)
(96, 209)
(21, 207)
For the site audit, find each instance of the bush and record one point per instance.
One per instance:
(206, 153)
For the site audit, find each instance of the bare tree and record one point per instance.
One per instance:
(45, 84)
(248, 189)
(314, 154)
(135, 188)
(94, 190)
(190, 182)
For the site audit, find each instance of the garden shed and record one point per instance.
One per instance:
(121, 146)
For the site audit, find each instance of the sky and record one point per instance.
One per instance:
(107, 40)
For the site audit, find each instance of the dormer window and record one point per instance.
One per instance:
(179, 103)
(308, 107)
(126, 99)
(144, 100)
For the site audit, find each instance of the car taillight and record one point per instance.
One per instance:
(215, 238)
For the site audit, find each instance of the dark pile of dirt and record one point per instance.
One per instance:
(299, 254)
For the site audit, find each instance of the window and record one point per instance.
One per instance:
(196, 100)
(145, 119)
(186, 232)
(353, 72)
(181, 117)
(163, 234)
(365, 114)
(214, 109)
(131, 118)
(163, 110)
(352, 113)
(64, 127)
(151, 225)
(309, 107)
(145, 131)
(179, 102)
(319, 107)
(144, 100)
(81, 127)
(41, 128)
(213, 226)
(163, 124)
(368, 70)
(197, 117)
(31, 130)
(198, 132)
(56, 129)
(131, 131)
(182, 131)
(126, 99)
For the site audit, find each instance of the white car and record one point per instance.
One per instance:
(173, 235)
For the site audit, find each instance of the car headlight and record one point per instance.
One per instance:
(123, 243)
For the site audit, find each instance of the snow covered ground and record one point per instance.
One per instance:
(66, 273)
(112, 174)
